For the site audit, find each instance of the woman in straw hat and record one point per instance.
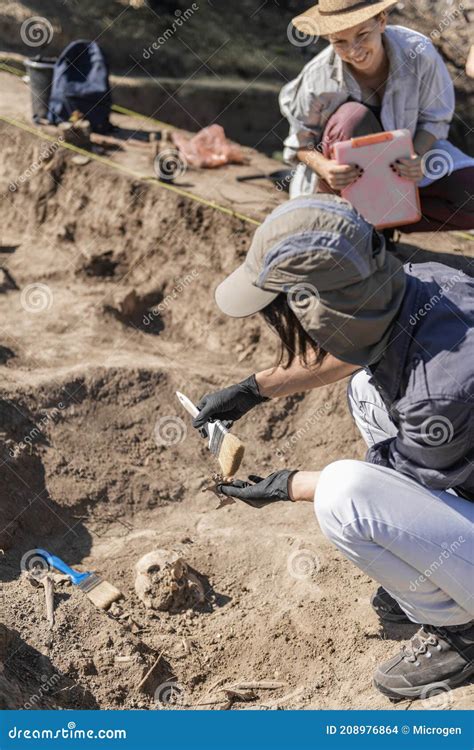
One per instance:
(375, 77)
(341, 305)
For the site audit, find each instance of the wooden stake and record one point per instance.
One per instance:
(48, 584)
(262, 685)
(143, 684)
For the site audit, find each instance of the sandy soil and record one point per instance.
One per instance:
(100, 465)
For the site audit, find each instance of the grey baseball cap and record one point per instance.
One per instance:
(332, 264)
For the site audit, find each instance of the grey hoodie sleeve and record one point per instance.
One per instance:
(434, 445)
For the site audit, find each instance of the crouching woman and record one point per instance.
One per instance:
(343, 306)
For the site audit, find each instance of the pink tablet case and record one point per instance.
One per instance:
(380, 195)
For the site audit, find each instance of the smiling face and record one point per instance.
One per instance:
(361, 46)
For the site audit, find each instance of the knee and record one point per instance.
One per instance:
(352, 112)
(341, 486)
(351, 120)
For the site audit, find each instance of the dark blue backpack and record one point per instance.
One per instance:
(81, 82)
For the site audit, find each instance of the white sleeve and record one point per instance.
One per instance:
(436, 95)
(300, 104)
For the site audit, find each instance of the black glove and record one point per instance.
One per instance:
(274, 487)
(230, 403)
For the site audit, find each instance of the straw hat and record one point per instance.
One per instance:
(332, 16)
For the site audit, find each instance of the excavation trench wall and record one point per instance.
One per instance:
(107, 309)
(88, 378)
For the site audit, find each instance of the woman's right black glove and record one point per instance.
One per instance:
(230, 403)
(274, 487)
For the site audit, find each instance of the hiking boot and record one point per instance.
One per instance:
(387, 608)
(435, 657)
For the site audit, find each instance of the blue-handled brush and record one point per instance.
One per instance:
(100, 592)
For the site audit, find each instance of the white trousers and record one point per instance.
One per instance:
(416, 542)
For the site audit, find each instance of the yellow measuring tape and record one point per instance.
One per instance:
(120, 167)
(11, 69)
(464, 235)
(131, 113)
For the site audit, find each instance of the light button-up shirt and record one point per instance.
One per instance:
(419, 95)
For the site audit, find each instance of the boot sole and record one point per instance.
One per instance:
(417, 692)
(388, 616)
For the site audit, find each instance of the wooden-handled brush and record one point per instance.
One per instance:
(227, 447)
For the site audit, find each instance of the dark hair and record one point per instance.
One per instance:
(295, 341)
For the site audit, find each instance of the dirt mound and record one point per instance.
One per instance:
(112, 314)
